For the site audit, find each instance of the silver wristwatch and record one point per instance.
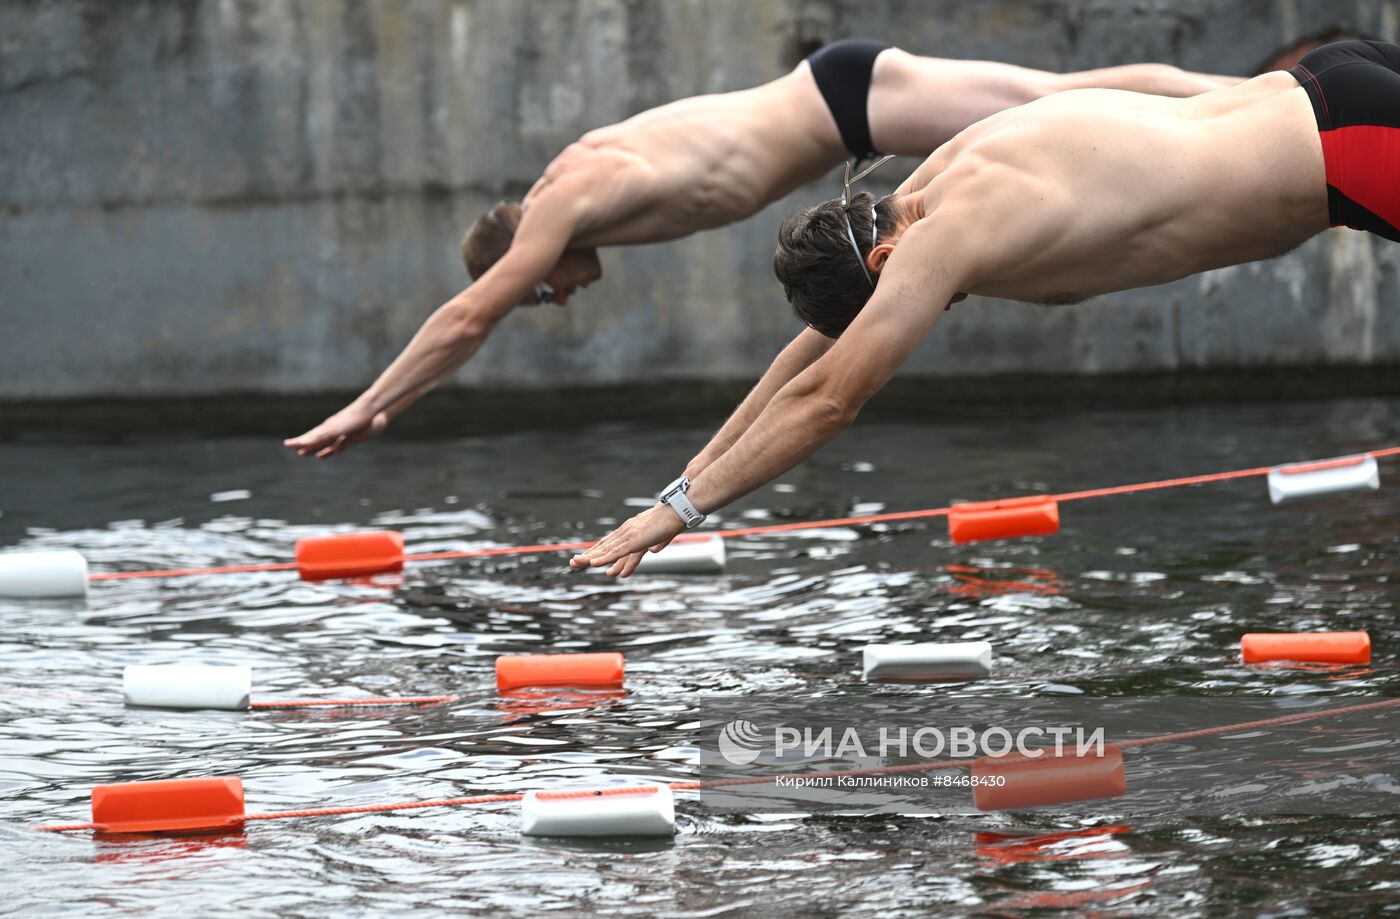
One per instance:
(674, 495)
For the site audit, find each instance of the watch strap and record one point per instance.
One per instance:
(674, 497)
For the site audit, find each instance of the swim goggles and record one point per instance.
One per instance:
(847, 180)
(543, 292)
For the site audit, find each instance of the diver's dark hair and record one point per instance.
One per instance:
(817, 267)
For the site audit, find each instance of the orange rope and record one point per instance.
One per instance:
(1263, 722)
(498, 550)
(758, 779)
(377, 808)
(307, 703)
(860, 520)
(182, 572)
(65, 827)
(1215, 477)
(569, 795)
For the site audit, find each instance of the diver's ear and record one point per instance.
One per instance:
(876, 259)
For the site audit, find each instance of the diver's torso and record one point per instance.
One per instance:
(701, 162)
(1139, 190)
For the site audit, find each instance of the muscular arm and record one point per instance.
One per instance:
(1154, 79)
(807, 347)
(902, 120)
(454, 332)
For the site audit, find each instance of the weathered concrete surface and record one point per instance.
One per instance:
(216, 196)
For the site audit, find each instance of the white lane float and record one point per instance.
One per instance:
(929, 663)
(188, 686)
(59, 573)
(1325, 477)
(703, 556)
(646, 810)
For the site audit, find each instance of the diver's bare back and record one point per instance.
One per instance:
(698, 163)
(1092, 191)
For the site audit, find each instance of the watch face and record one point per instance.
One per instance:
(678, 487)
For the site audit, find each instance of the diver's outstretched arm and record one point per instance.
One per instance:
(792, 360)
(452, 334)
(1155, 79)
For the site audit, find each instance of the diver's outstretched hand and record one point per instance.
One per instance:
(623, 548)
(339, 432)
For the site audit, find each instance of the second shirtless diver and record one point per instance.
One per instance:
(1079, 194)
(701, 163)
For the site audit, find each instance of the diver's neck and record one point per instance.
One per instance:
(908, 210)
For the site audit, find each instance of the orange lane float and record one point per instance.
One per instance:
(1016, 781)
(176, 805)
(1307, 647)
(975, 521)
(572, 671)
(350, 555)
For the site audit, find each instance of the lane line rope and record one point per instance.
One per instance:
(339, 703)
(759, 779)
(860, 520)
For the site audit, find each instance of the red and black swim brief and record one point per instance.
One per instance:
(1355, 91)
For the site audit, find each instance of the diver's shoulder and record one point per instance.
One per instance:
(595, 155)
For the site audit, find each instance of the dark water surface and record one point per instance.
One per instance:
(1138, 596)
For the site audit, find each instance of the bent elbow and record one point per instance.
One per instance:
(465, 325)
(471, 330)
(834, 411)
(1163, 80)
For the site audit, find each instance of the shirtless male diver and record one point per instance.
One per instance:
(696, 164)
(1071, 196)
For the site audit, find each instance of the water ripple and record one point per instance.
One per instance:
(1137, 596)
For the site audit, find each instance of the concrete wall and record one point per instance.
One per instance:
(237, 195)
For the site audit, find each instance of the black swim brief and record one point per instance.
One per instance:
(843, 70)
